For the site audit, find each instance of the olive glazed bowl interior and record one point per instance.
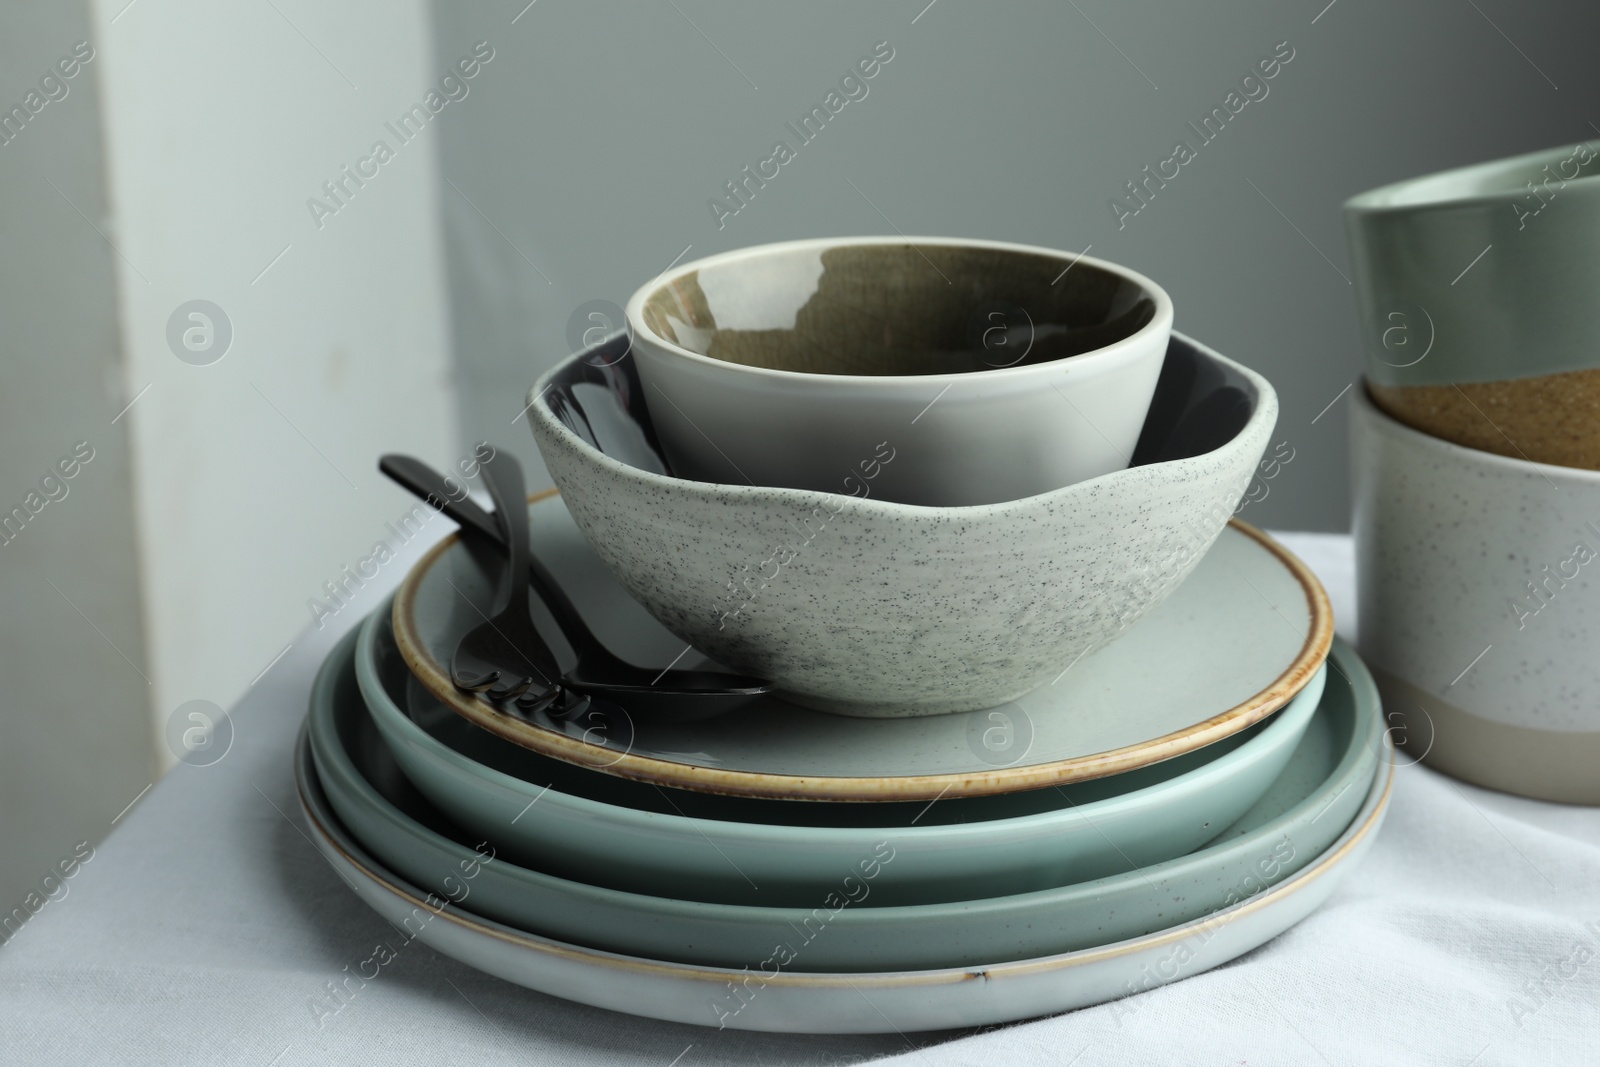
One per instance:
(867, 607)
(993, 371)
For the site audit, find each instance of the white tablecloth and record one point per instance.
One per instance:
(205, 928)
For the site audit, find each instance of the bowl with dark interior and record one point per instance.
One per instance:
(870, 607)
(993, 371)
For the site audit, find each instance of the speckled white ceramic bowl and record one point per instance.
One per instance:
(1477, 579)
(872, 608)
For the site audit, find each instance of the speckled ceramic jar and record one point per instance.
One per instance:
(868, 607)
(1479, 588)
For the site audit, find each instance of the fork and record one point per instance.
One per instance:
(504, 658)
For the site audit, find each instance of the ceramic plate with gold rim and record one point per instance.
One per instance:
(608, 831)
(775, 997)
(1244, 633)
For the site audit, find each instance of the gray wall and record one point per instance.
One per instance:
(589, 147)
(75, 741)
(185, 556)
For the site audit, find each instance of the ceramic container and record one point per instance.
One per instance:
(1477, 586)
(989, 371)
(1245, 632)
(867, 607)
(605, 830)
(776, 997)
(1476, 293)
(844, 929)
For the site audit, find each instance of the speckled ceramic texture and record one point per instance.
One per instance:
(1242, 635)
(609, 831)
(791, 1000)
(1477, 579)
(1550, 418)
(871, 608)
(991, 371)
(1307, 808)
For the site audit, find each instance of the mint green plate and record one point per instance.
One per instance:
(850, 1002)
(597, 828)
(1304, 810)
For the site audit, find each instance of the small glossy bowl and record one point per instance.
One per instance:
(990, 371)
(604, 830)
(872, 608)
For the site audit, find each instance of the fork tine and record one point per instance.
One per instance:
(511, 690)
(478, 684)
(508, 643)
(533, 702)
(574, 704)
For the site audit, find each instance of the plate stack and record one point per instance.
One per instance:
(827, 859)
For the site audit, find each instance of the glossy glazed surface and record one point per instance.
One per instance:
(1480, 274)
(606, 830)
(1305, 809)
(787, 364)
(805, 307)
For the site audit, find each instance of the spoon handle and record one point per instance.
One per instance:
(422, 481)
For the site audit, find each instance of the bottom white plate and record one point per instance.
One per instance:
(773, 998)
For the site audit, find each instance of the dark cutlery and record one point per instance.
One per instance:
(504, 658)
(672, 694)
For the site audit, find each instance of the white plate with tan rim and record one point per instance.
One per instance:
(774, 997)
(1234, 643)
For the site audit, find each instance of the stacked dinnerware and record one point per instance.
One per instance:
(1048, 727)
(1477, 466)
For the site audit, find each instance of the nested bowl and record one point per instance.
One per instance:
(1476, 289)
(868, 607)
(991, 371)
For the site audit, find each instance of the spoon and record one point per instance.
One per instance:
(674, 695)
